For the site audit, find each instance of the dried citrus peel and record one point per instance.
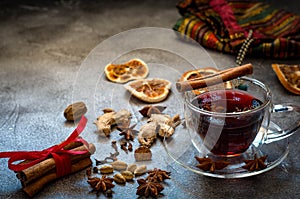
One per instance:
(131, 70)
(149, 90)
(289, 76)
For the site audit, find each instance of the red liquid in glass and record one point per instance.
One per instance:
(236, 133)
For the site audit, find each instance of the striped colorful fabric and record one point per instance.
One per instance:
(224, 25)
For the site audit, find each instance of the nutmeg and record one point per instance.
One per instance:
(75, 111)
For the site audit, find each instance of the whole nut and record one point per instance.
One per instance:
(128, 175)
(119, 165)
(131, 168)
(142, 153)
(106, 169)
(119, 178)
(140, 170)
(75, 111)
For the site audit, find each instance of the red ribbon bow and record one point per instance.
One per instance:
(60, 155)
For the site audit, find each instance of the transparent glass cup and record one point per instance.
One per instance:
(233, 119)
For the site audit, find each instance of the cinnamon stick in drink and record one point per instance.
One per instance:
(38, 170)
(34, 187)
(222, 76)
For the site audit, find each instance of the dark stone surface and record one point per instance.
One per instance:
(42, 47)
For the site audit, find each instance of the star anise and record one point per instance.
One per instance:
(256, 164)
(101, 184)
(158, 175)
(208, 164)
(148, 188)
(146, 111)
(127, 132)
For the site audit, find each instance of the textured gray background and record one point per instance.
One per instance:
(42, 45)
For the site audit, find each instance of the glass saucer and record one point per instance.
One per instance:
(182, 151)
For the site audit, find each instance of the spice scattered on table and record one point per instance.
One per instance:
(106, 169)
(152, 184)
(111, 118)
(146, 111)
(128, 132)
(158, 175)
(102, 184)
(161, 125)
(142, 153)
(148, 188)
(119, 165)
(140, 170)
(75, 111)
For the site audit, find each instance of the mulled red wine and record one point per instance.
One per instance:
(227, 134)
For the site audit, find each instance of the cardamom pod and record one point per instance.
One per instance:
(75, 111)
(119, 165)
(140, 170)
(119, 178)
(131, 168)
(106, 169)
(128, 175)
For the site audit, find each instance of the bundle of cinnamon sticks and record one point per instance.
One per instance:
(34, 178)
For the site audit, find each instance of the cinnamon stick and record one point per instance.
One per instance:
(38, 170)
(34, 187)
(72, 145)
(222, 76)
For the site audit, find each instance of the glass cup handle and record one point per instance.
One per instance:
(275, 134)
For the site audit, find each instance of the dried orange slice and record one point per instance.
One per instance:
(201, 72)
(131, 70)
(149, 90)
(289, 76)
